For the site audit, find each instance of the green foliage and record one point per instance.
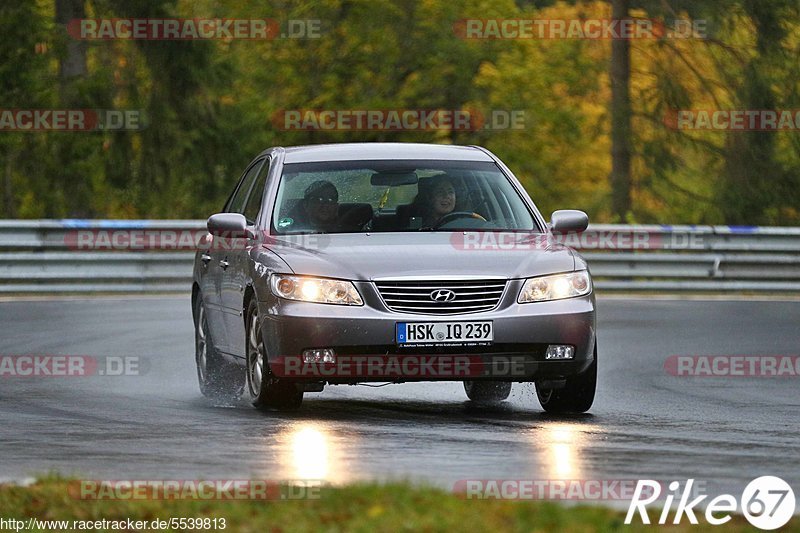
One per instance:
(209, 105)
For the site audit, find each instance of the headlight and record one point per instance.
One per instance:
(319, 290)
(556, 287)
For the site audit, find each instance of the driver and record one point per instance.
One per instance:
(438, 201)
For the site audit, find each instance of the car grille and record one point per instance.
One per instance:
(470, 296)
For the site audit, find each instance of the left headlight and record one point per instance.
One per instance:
(318, 290)
(556, 287)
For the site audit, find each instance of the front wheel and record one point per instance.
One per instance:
(266, 391)
(218, 379)
(576, 396)
(487, 391)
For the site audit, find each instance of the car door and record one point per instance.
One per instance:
(234, 276)
(217, 261)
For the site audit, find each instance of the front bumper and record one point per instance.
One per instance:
(363, 338)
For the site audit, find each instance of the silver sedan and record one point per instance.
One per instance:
(389, 263)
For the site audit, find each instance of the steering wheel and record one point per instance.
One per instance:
(449, 217)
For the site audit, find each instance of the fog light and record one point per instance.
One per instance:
(319, 355)
(559, 351)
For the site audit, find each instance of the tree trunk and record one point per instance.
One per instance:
(8, 193)
(620, 118)
(73, 63)
(72, 70)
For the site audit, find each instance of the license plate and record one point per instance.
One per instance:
(444, 333)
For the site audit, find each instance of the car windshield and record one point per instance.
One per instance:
(397, 196)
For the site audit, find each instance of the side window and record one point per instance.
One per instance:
(253, 205)
(236, 203)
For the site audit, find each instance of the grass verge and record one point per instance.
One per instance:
(366, 507)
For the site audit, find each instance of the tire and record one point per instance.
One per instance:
(487, 391)
(577, 395)
(217, 378)
(265, 390)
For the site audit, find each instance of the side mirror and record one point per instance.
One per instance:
(569, 220)
(228, 225)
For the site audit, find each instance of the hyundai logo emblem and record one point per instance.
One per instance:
(443, 295)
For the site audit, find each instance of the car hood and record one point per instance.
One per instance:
(385, 255)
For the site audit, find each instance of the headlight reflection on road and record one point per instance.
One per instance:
(309, 453)
(564, 445)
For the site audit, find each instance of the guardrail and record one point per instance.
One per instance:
(90, 256)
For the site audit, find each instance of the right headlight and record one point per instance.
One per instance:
(556, 287)
(317, 290)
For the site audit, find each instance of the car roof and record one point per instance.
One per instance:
(372, 151)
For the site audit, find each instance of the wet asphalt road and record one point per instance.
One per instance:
(645, 422)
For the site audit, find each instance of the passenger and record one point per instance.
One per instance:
(321, 206)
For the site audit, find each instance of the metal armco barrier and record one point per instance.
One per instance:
(112, 256)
